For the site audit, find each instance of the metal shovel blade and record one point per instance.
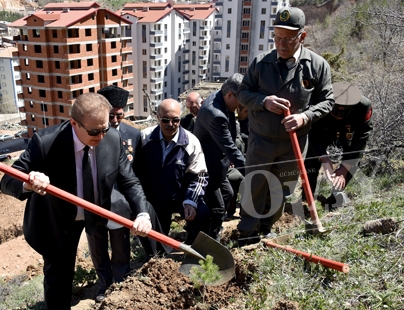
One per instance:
(222, 257)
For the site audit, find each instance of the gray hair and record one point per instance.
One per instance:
(89, 103)
(232, 84)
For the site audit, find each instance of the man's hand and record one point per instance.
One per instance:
(340, 178)
(189, 212)
(293, 122)
(276, 105)
(141, 226)
(328, 169)
(38, 182)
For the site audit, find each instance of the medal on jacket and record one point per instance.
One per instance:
(349, 134)
(130, 147)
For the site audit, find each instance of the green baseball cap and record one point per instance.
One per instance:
(290, 18)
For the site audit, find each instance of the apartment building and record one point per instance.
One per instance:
(65, 50)
(171, 49)
(243, 29)
(10, 80)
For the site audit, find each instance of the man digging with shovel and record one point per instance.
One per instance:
(288, 78)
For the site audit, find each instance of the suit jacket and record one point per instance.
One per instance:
(119, 205)
(215, 127)
(51, 151)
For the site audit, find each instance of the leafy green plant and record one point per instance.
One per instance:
(84, 277)
(205, 274)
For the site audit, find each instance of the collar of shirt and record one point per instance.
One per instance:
(174, 139)
(292, 60)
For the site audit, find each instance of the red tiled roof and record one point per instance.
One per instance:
(141, 5)
(196, 14)
(71, 5)
(195, 6)
(62, 19)
(151, 16)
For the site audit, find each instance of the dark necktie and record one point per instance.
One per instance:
(88, 186)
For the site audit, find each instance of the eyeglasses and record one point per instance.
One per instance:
(118, 115)
(287, 40)
(95, 132)
(166, 120)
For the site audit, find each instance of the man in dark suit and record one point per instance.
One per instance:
(53, 226)
(215, 128)
(115, 268)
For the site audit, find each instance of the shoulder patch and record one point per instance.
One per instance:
(368, 115)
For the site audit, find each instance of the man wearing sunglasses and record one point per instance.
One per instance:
(114, 268)
(176, 171)
(339, 138)
(56, 155)
(287, 78)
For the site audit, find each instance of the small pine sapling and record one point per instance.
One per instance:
(204, 275)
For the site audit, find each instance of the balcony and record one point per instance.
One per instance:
(20, 96)
(24, 122)
(127, 76)
(125, 50)
(156, 91)
(22, 109)
(126, 63)
(157, 79)
(156, 68)
(156, 56)
(156, 44)
(156, 32)
(129, 88)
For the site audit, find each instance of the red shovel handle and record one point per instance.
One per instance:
(91, 207)
(304, 177)
(312, 258)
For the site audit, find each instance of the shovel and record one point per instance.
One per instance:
(202, 246)
(315, 227)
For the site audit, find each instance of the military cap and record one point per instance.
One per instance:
(290, 18)
(346, 94)
(117, 97)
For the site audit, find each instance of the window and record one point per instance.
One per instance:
(39, 64)
(28, 76)
(44, 107)
(58, 79)
(31, 104)
(113, 44)
(245, 35)
(144, 68)
(41, 79)
(56, 49)
(91, 90)
(113, 58)
(246, 23)
(229, 10)
(60, 94)
(42, 93)
(227, 46)
(114, 72)
(262, 29)
(35, 33)
(246, 11)
(244, 47)
(260, 47)
(243, 59)
(227, 63)
(89, 62)
(91, 76)
(145, 103)
(57, 64)
(37, 49)
(88, 32)
(144, 52)
(61, 109)
(89, 47)
(54, 33)
(30, 90)
(263, 11)
(228, 28)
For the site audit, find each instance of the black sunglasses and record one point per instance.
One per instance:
(166, 120)
(118, 115)
(94, 132)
